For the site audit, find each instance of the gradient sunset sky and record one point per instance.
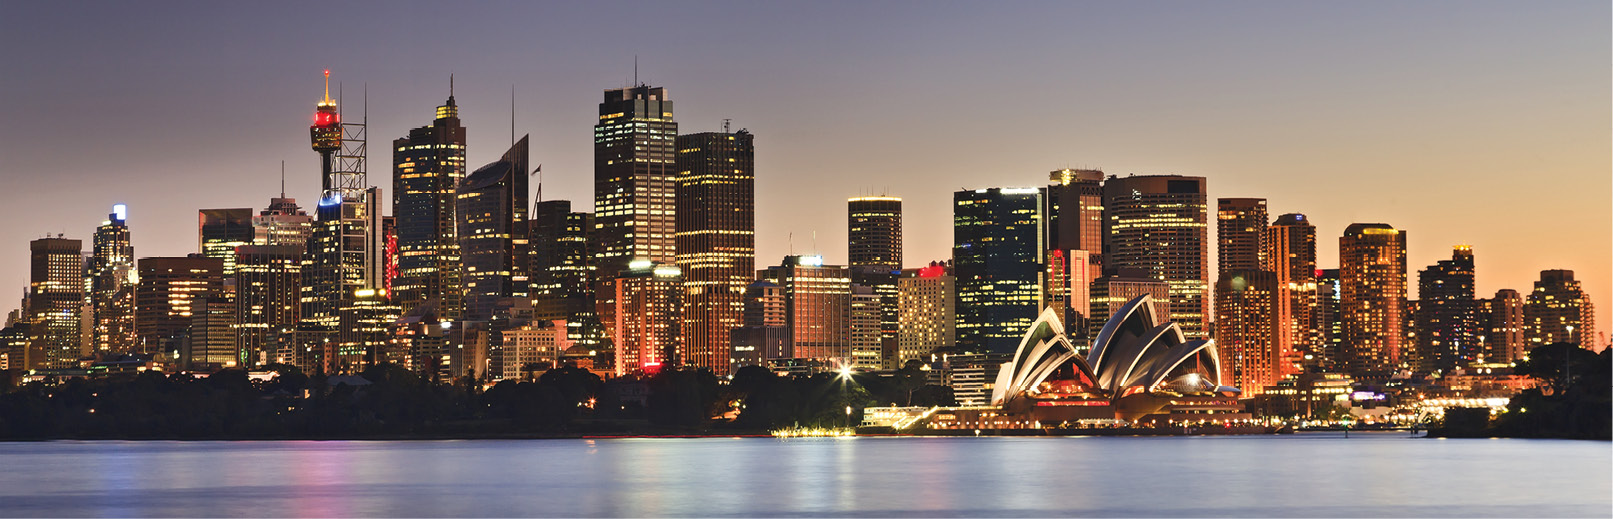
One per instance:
(1465, 122)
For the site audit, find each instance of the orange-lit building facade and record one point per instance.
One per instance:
(716, 241)
(1372, 298)
(647, 333)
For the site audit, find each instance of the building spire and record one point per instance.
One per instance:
(282, 179)
(327, 101)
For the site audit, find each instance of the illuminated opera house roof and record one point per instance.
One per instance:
(1133, 355)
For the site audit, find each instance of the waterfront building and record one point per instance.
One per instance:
(1157, 224)
(55, 304)
(647, 334)
(997, 258)
(1372, 298)
(925, 305)
(493, 240)
(715, 241)
(1290, 253)
(1446, 318)
(1504, 328)
(220, 231)
(1240, 234)
(268, 280)
(427, 167)
(171, 291)
(635, 187)
(1249, 331)
(817, 304)
(111, 283)
(1557, 310)
(283, 223)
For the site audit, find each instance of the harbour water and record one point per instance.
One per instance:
(1301, 475)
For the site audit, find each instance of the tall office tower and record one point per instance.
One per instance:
(365, 334)
(647, 335)
(926, 312)
(1248, 331)
(282, 224)
(1558, 311)
(344, 251)
(563, 271)
(268, 282)
(817, 303)
(220, 231)
(863, 328)
(1074, 213)
(1446, 320)
(763, 333)
(209, 343)
(634, 178)
(171, 291)
(1240, 234)
(1329, 323)
(716, 241)
(1157, 224)
(1504, 327)
(874, 225)
(1372, 298)
(1113, 291)
(427, 167)
(493, 239)
(997, 253)
(111, 273)
(1291, 254)
(54, 304)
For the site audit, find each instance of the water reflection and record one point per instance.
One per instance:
(1301, 475)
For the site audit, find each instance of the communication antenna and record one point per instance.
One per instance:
(512, 114)
(282, 179)
(635, 70)
(725, 122)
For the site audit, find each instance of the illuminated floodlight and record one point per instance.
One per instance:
(122, 211)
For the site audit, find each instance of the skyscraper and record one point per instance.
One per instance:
(345, 251)
(268, 284)
(716, 241)
(817, 304)
(1291, 254)
(635, 189)
(1503, 326)
(926, 312)
(220, 231)
(111, 273)
(997, 253)
(172, 290)
(1156, 225)
(563, 271)
(427, 167)
(1447, 324)
(874, 225)
(1248, 331)
(863, 328)
(1074, 213)
(1329, 323)
(55, 304)
(493, 239)
(647, 335)
(1556, 304)
(1372, 296)
(1240, 234)
(283, 223)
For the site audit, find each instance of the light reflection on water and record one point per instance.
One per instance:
(1318, 475)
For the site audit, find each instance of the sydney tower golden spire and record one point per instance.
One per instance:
(326, 134)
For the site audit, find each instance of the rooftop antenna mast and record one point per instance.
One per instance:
(725, 122)
(512, 114)
(635, 70)
(282, 179)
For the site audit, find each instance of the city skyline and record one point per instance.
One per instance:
(1432, 122)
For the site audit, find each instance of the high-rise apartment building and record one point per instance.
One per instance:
(1290, 246)
(817, 304)
(111, 284)
(1372, 298)
(997, 259)
(716, 241)
(1446, 320)
(1248, 331)
(493, 239)
(220, 231)
(1557, 310)
(1502, 327)
(427, 168)
(1157, 225)
(926, 299)
(1329, 320)
(55, 304)
(172, 290)
(1240, 234)
(282, 223)
(647, 333)
(268, 282)
(874, 228)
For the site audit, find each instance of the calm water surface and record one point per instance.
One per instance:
(1379, 475)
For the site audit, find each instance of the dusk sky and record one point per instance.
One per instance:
(1462, 122)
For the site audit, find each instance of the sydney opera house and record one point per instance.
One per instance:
(1139, 372)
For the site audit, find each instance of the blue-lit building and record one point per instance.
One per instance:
(996, 250)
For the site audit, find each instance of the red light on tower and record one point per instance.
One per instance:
(326, 133)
